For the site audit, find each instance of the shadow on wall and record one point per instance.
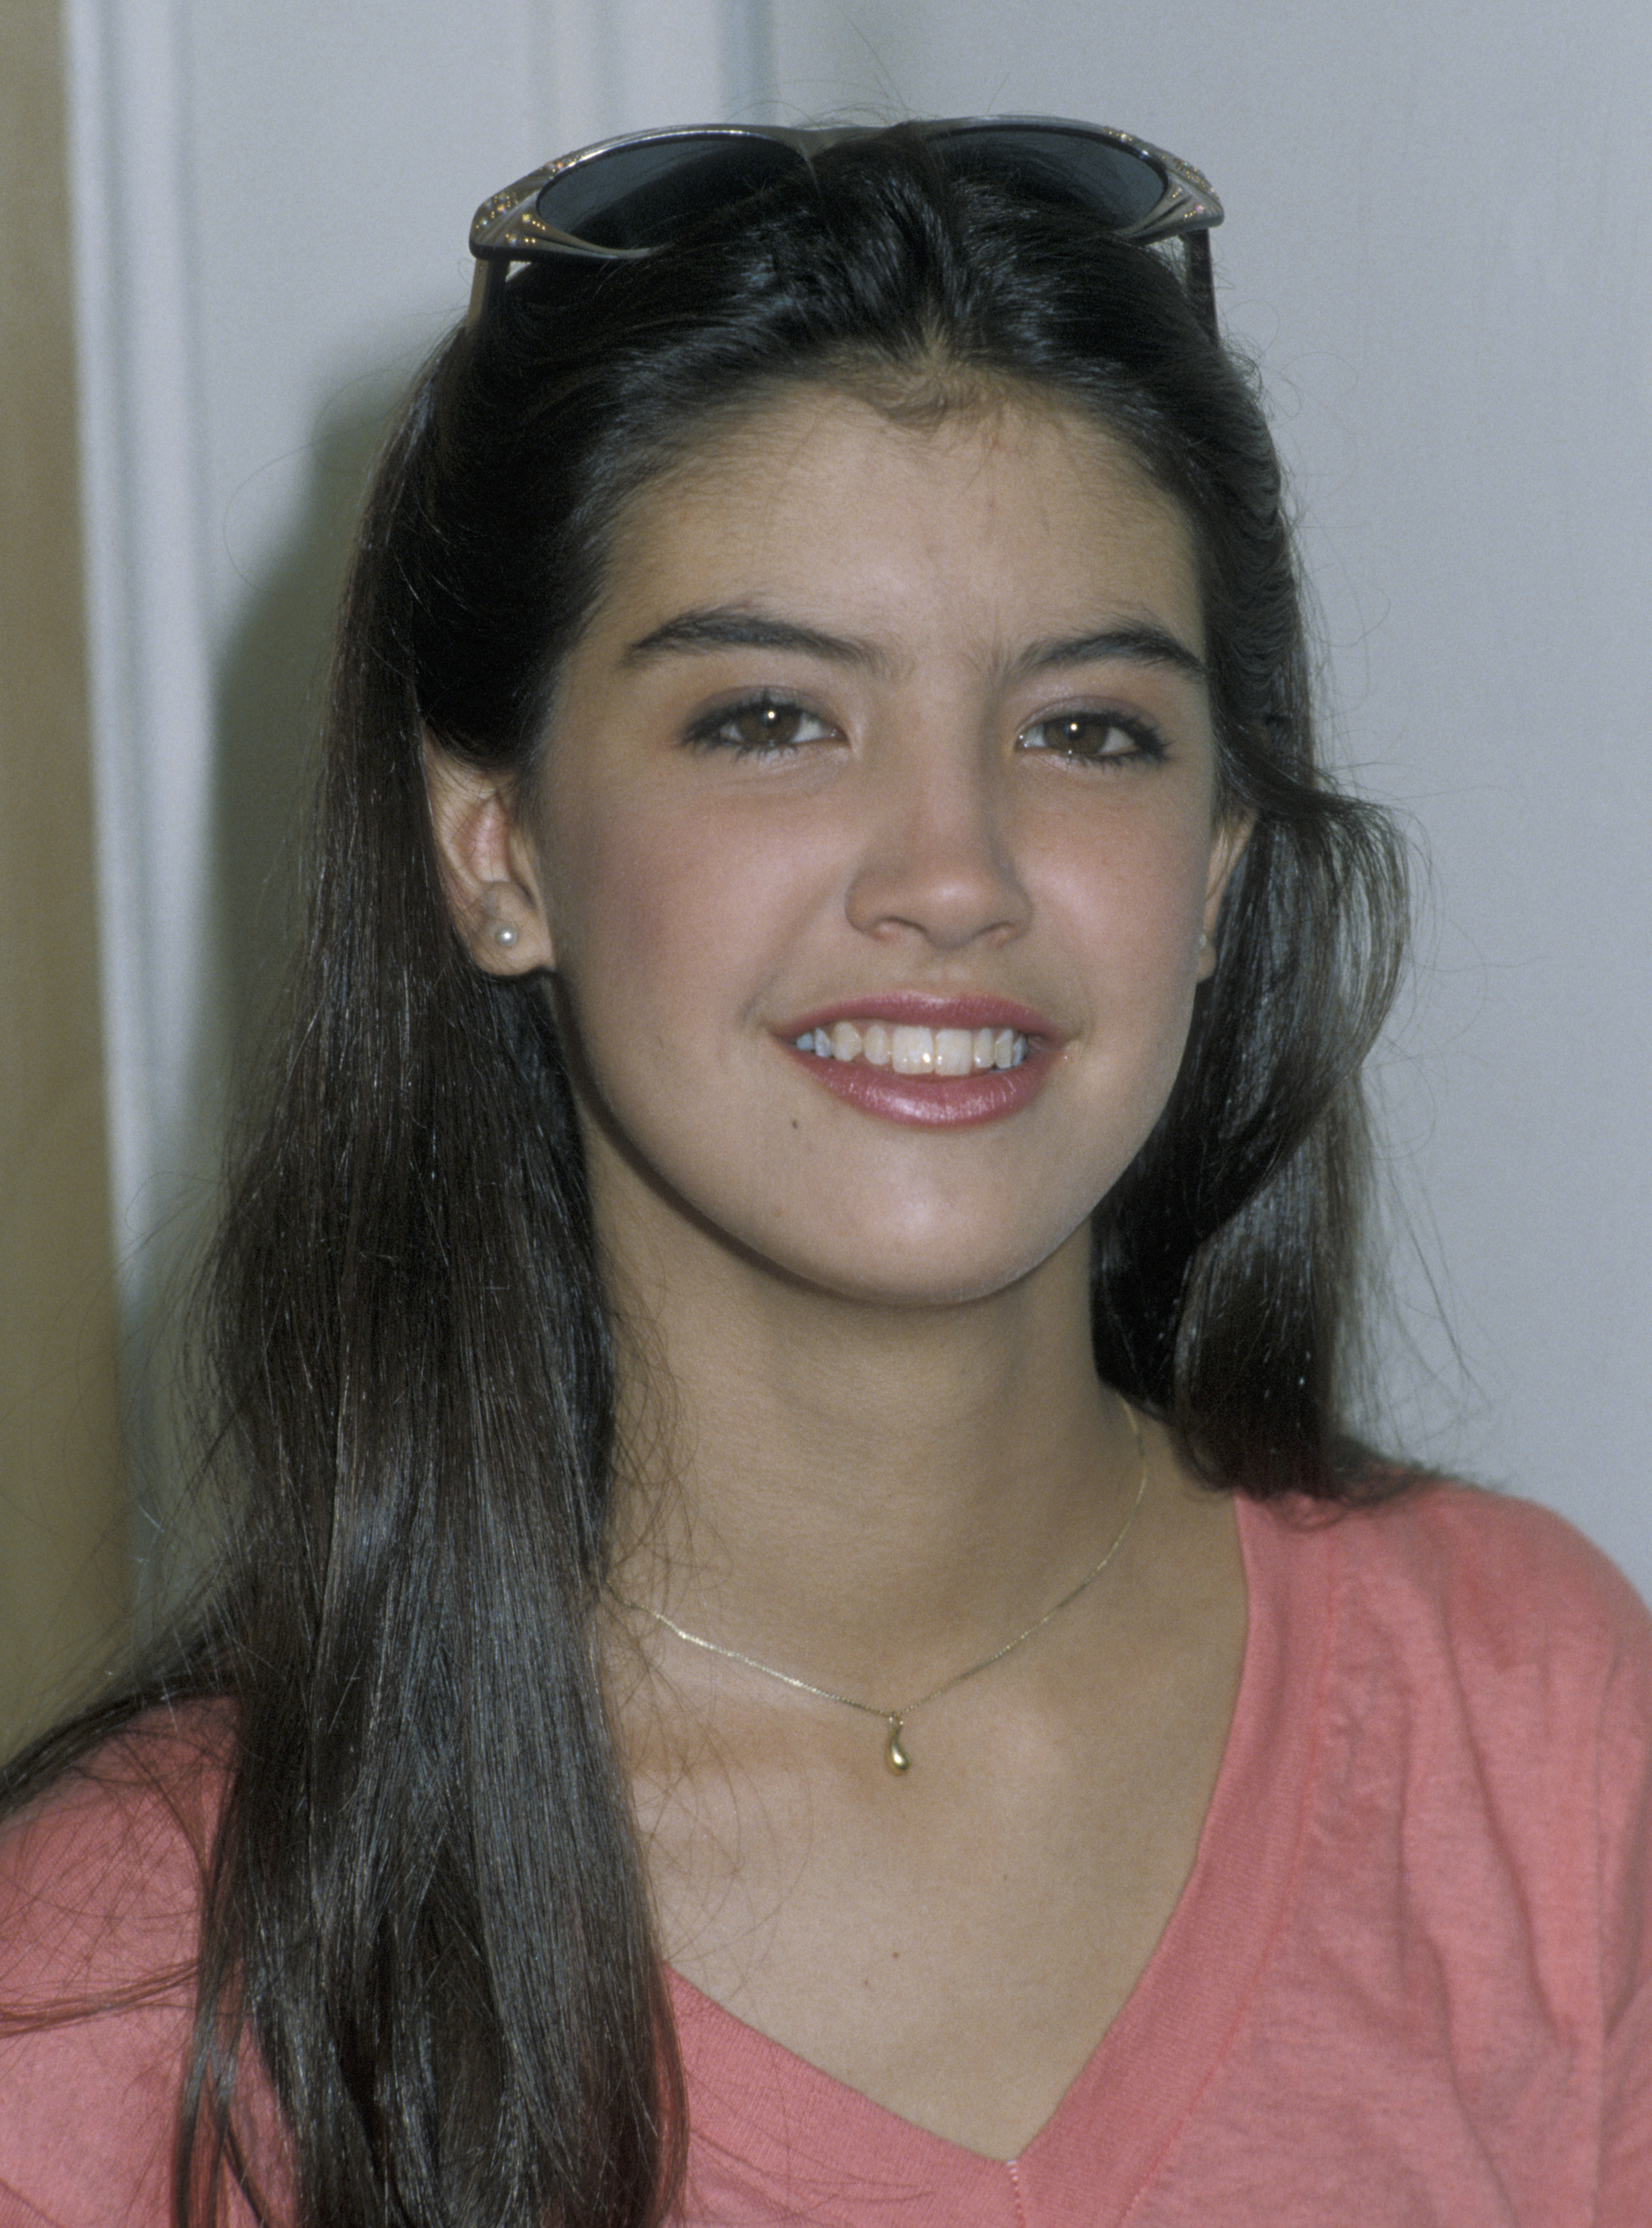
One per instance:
(270, 704)
(270, 698)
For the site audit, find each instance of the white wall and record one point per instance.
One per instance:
(1438, 245)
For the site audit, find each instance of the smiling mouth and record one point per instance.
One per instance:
(910, 1049)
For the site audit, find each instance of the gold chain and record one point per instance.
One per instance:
(895, 1755)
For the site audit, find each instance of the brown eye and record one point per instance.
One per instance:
(1092, 736)
(1089, 735)
(765, 725)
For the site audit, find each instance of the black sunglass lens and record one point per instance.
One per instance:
(639, 196)
(1122, 188)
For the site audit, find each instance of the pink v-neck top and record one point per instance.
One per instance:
(1410, 1977)
(1409, 1980)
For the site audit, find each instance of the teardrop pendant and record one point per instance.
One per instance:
(893, 1755)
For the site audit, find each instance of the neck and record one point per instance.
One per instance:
(863, 1495)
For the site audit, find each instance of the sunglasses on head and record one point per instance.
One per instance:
(628, 197)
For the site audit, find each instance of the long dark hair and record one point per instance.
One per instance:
(426, 1907)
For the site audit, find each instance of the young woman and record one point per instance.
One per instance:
(803, 1636)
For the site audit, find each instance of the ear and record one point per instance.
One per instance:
(1228, 838)
(488, 867)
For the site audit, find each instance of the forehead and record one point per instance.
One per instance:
(1012, 512)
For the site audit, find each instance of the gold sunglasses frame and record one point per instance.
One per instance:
(507, 229)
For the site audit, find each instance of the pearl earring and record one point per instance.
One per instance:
(504, 935)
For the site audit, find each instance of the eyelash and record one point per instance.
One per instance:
(713, 732)
(1144, 739)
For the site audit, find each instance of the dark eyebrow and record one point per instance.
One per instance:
(722, 629)
(1137, 645)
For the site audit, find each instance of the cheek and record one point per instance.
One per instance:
(1132, 911)
(658, 920)
(623, 924)
(1136, 901)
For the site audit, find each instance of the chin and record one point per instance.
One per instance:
(933, 1264)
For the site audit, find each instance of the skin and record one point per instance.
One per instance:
(884, 1449)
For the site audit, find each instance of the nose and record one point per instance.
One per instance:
(937, 862)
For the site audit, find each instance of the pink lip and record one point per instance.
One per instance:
(949, 1102)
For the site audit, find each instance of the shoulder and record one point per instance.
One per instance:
(1492, 1580)
(1484, 1657)
(1481, 1645)
(1512, 1584)
(100, 1875)
(100, 1893)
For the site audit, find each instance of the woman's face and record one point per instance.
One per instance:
(874, 842)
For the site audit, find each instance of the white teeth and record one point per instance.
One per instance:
(916, 1051)
(913, 1051)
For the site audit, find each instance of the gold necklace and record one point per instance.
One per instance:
(895, 1754)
